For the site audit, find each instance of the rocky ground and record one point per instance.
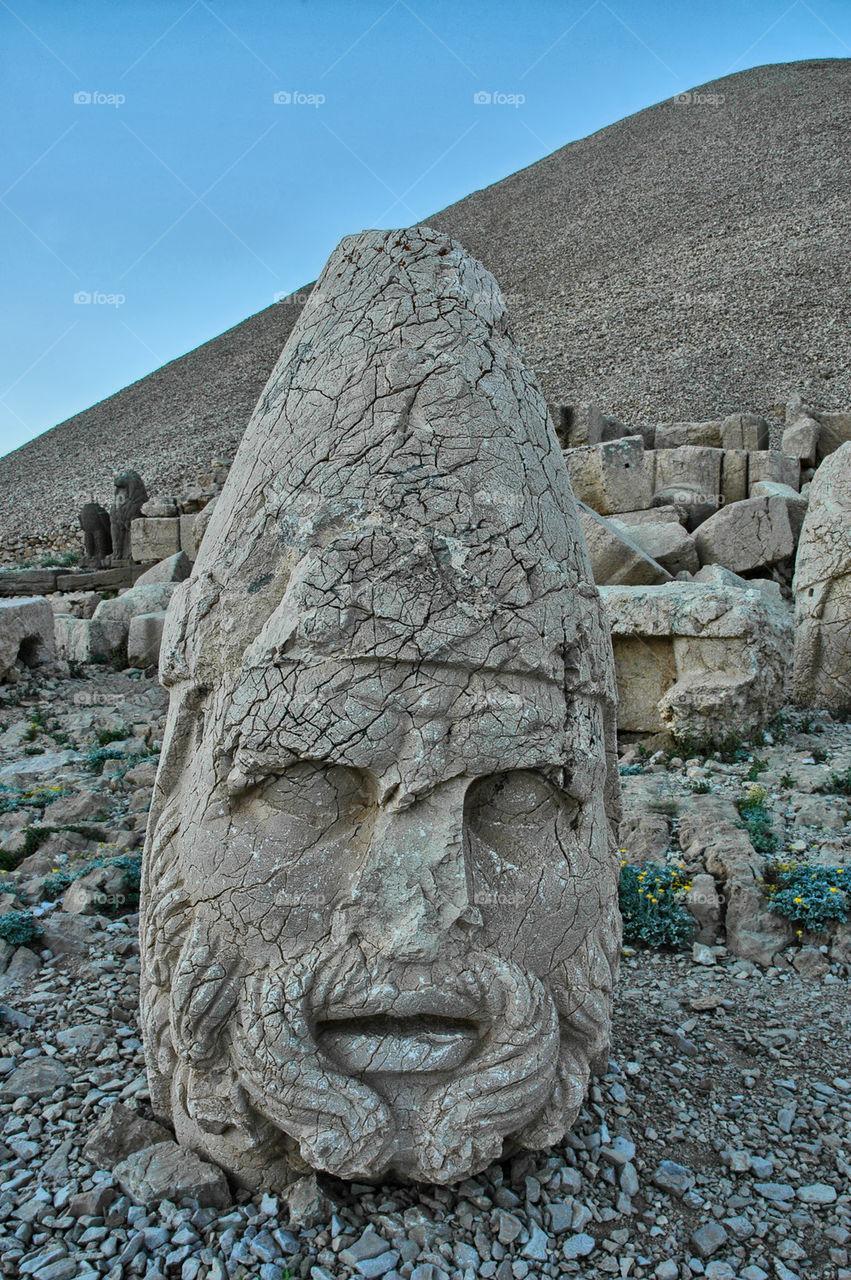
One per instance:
(715, 1145)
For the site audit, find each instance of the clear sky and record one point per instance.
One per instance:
(170, 166)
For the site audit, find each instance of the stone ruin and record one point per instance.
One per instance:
(97, 535)
(379, 916)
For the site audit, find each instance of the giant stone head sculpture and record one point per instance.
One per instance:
(379, 917)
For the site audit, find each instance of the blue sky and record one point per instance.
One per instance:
(148, 167)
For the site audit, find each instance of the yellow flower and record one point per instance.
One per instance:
(832, 890)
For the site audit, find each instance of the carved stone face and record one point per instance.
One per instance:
(379, 909)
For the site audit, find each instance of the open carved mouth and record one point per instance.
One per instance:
(388, 1043)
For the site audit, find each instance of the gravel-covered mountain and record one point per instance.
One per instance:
(686, 262)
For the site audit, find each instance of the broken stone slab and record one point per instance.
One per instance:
(698, 660)
(26, 634)
(649, 808)
(27, 582)
(822, 590)
(578, 424)
(672, 435)
(744, 431)
(652, 515)
(771, 464)
(611, 477)
(144, 638)
(615, 553)
(753, 931)
(154, 539)
(835, 431)
(159, 509)
(755, 534)
(175, 568)
(721, 577)
(199, 528)
(667, 544)
(308, 1204)
(111, 622)
(711, 832)
(801, 440)
(37, 1078)
(187, 534)
(120, 1132)
(167, 1171)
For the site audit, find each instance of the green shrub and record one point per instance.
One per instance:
(756, 820)
(96, 756)
(106, 736)
(18, 928)
(809, 896)
(838, 784)
(757, 767)
(651, 906)
(700, 787)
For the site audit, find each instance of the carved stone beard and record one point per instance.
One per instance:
(247, 1050)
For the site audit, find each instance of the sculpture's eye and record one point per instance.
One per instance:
(324, 796)
(518, 804)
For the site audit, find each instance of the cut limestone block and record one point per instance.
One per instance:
(734, 475)
(698, 660)
(696, 468)
(771, 464)
(187, 534)
(744, 431)
(155, 539)
(73, 637)
(671, 435)
(612, 477)
(800, 440)
(175, 569)
(144, 638)
(822, 588)
(835, 431)
(26, 633)
(668, 544)
(111, 621)
(583, 424)
(755, 534)
(615, 555)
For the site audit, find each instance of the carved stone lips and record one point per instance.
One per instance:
(388, 1044)
(414, 1032)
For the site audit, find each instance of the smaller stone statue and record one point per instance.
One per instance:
(97, 536)
(130, 496)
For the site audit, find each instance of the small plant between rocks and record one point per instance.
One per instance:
(650, 899)
(808, 896)
(18, 928)
(756, 820)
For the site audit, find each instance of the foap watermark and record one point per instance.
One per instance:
(94, 98)
(96, 298)
(295, 98)
(494, 899)
(287, 899)
(297, 299)
(498, 99)
(692, 99)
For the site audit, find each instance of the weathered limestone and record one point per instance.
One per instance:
(653, 515)
(668, 544)
(835, 431)
(155, 539)
(110, 624)
(770, 464)
(800, 440)
(698, 660)
(26, 633)
(73, 637)
(389, 673)
(744, 431)
(97, 535)
(176, 568)
(734, 476)
(187, 534)
(693, 468)
(672, 435)
(755, 534)
(615, 555)
(144, 639)
(611, 477)
(199, 528)
(822, 587)
(583, 424)
(130, 497)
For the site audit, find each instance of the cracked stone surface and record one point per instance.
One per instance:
(379, 922)
(822, 587)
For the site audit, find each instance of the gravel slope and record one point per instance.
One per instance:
(683, 263)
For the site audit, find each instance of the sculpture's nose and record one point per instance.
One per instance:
(411, 888)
